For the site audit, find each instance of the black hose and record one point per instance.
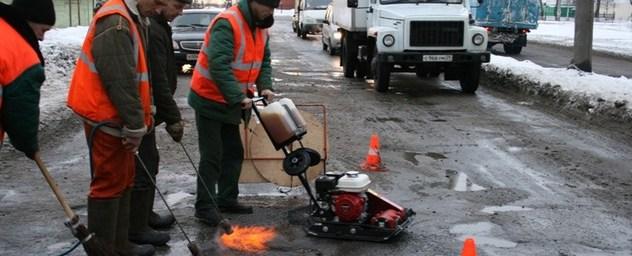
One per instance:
(72, 248)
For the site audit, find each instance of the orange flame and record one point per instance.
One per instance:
(248, 239)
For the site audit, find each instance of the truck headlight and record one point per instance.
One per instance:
(337, 35)
(175, 45)
(478, 39)
(388, 40)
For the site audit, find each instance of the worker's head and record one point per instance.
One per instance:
(39, 14)
(173, 8)
(263, 12)
(150, 7)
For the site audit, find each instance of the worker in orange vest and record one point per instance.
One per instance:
(110, 92)
(233, 63)
(22, 24)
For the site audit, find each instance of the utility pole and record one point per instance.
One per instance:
(582, 48)
(558, 9)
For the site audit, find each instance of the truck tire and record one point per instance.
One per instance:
(512, 48)
(381, 74)
(470, 78)
(348, 58)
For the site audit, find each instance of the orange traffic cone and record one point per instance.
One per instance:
(469, 248)
(373, 160)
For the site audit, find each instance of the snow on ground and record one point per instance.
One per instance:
(599, 90)
(614, 38)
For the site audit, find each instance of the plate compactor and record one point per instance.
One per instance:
(343, 206)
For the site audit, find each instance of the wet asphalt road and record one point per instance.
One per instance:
(519, 177)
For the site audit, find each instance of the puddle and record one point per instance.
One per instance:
(482, 234)
(435, 156)
(460, 182)
(411, 157)
(506, 208)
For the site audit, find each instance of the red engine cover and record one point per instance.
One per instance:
(390, 218)
(349, 206)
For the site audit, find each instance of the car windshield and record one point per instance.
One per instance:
(193, 20)
(316, 4)
(421, 1)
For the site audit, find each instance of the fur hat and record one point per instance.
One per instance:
(269, 3)
(38, 11)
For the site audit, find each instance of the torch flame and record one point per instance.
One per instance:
(248, 239)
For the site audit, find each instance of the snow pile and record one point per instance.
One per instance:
(593, 93)
(60, 48)
(613, 38)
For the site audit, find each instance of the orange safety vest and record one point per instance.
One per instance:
(16, 56)
(247, 57)
(86, 95)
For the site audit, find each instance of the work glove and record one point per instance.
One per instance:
(268, 94)
(175, 130)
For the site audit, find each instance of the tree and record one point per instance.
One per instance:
(582, 48)
(597, 7)
(558, 9)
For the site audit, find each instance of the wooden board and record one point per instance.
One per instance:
(262, 163)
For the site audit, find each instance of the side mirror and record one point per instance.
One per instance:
(352, 3)
(326, 22)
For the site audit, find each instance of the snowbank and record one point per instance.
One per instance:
(590, 93)
(612, 38)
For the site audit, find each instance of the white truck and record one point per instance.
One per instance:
(428, 37)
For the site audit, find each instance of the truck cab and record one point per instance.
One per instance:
(428, 37)
(309, 16)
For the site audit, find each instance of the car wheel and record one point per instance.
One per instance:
(330, 49)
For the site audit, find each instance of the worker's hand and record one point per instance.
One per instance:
(176, 130)
(268, 94)
(132, 143)
(246, 103)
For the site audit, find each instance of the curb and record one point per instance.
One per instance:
(578, 104)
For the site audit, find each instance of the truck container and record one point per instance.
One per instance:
(507, 22)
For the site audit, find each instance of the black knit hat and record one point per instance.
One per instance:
(38, 11)
(269, 3)
(185, 1)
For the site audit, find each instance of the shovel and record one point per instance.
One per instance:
(91, 244)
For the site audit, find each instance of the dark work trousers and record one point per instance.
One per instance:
(221, 155)
(148, 152)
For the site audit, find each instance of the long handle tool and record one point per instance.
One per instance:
(195, 250)
(223, 223)
(91, 244)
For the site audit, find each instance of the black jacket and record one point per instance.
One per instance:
(164, 73)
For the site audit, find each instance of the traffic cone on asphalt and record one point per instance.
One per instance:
(373, 160)
(469, 248)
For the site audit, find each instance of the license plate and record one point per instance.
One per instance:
(192, 56)
(437, 58)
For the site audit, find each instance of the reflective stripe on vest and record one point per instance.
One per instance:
(247, 60)
(86, 95)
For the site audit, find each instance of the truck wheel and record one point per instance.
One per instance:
(470, 77)
(381, 74)
(348, 58)
(362, 69)
(512, 48)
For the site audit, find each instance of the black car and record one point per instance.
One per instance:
(188, 34)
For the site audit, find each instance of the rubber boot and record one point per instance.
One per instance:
(139, 230)
(102, 216)
(157, 221)
(121, 241)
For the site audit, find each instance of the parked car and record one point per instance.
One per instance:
(331, 35)
(188, 33)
